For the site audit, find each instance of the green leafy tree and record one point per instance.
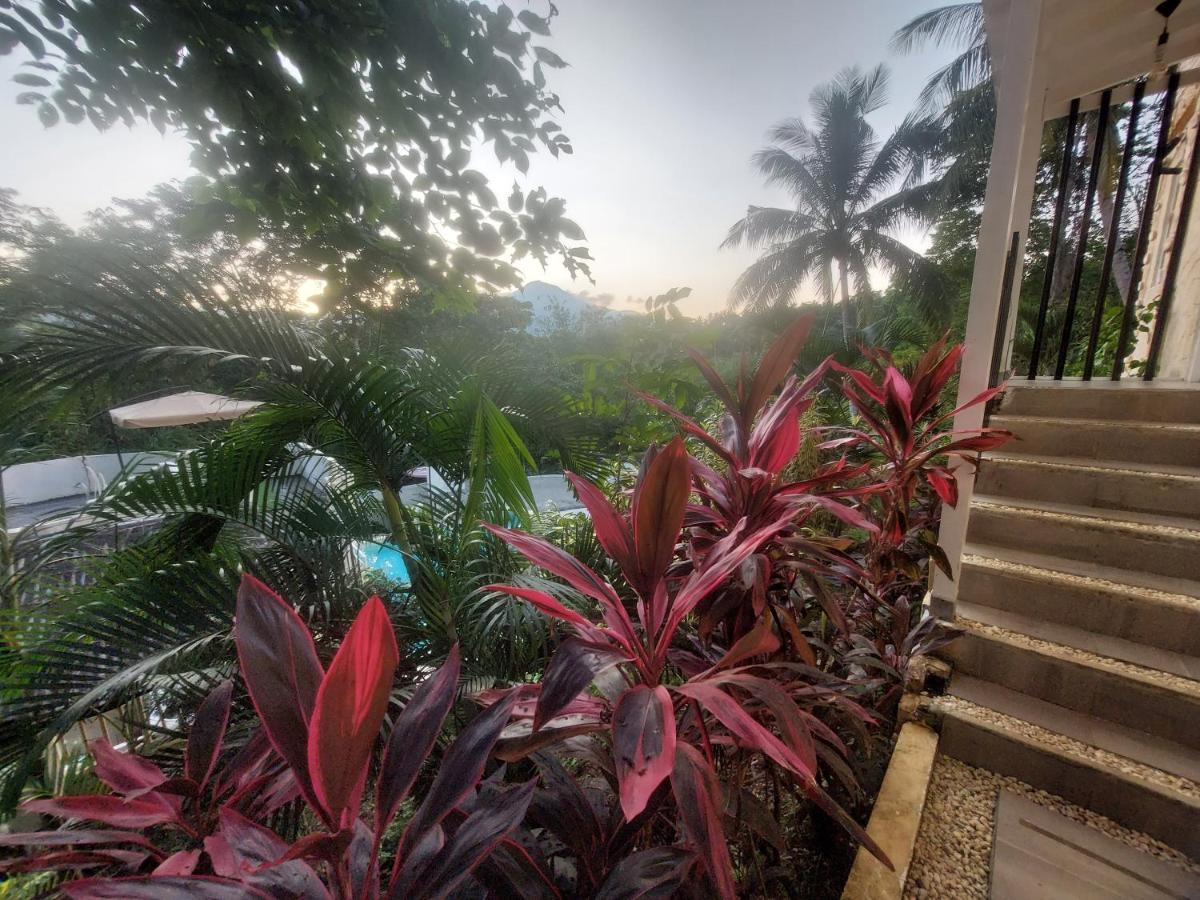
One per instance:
(350, 127)
(840, 176)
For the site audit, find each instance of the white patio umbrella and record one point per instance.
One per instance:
(184, 408)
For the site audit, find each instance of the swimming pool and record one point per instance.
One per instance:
(384, 558)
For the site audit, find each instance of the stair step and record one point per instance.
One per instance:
(1148, 657)
(1163, 614)
(1157, 703)
(1171, 758)
(1158, 546)
(1147, 442)
(1135, 794)
(1126, 400)
(1100, 484)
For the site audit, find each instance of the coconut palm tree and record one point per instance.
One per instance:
(845, 214)
(959, 97)
(955, 24)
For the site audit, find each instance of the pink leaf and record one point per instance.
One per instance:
(140, 813)
(125, 773)
(182, 863)
(643, 744)
(701, 809)
(745, 728)
(349, 712)
(612, 530)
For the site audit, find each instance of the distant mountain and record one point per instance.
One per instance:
(553, 306)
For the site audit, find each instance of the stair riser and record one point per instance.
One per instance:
(1142, 444)
(1138, 405)
(1169, 817)
(1063, 681)
(1088, 607)
(1113, 489)
(1136, 551)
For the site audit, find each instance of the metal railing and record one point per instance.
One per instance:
(1089, 139)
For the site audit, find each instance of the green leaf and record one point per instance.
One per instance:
(550, 58)
(31, 80)
(534, 23)
(48, 113)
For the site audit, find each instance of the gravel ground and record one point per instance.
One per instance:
(954, 844)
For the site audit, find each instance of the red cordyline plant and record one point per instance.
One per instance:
(910, 445)
(760, 436)
(319, 731)
(674, 711)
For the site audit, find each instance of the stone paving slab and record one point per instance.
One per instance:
(1040, 854)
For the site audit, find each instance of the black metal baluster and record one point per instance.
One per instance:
(1002, 314)
(1064, 177)
(1169, 277)
(1085, 229)
(1114, 234)
(1160, 152)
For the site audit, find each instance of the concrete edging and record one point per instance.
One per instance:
(896, 817)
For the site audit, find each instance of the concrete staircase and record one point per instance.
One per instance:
(1078, 671)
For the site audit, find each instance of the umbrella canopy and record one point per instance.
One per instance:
(186, 408)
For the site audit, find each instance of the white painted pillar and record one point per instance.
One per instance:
(1020, 79)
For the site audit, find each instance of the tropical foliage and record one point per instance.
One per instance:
(348, 130)
(736, 627)
(843, 221)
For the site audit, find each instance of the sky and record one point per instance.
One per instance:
(665, 102)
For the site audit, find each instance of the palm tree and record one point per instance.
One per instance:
(841, 227)
(960, 99)
(957, 24)
(152, 630)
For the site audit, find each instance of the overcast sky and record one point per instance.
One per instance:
(665, 102)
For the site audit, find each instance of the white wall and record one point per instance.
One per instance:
(52, 478)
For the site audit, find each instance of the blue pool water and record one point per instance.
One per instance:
(383, 558)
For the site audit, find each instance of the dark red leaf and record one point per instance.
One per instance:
(257, 852)
(698, 796)
(162, 887)
(72, 838)
(73, 859)
(760, 640)
(558, 562)
(282, 673)
(659, 500)
(560, 806)
(207, 733)
(944, 483)
(351, 704)
(459, 772)
(574, 665)
(774, 367)
(657, 872)
(493, 818)
(416, 731)
(643, 744)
